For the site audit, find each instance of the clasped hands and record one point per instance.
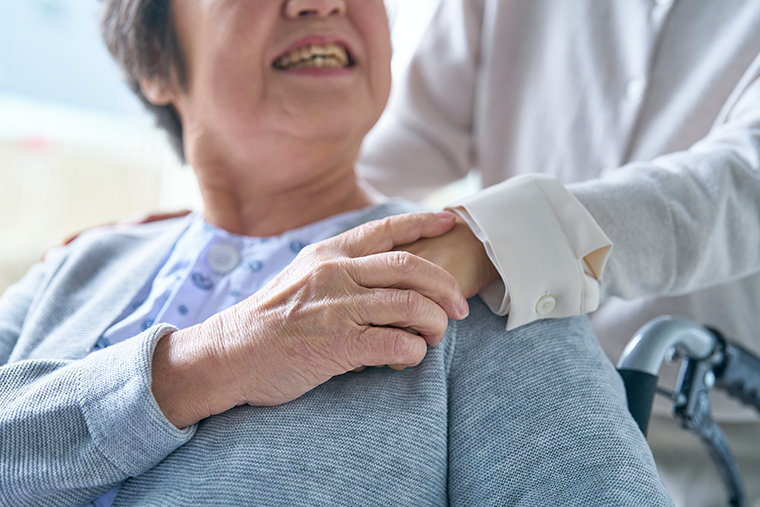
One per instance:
(350, 301)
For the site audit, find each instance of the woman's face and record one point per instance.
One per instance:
(270, 78)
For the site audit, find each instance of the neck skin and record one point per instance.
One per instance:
(275, 194)
(250, 212)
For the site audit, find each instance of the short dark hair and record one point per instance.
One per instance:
(142, 37)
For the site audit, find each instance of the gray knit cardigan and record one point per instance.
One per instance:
(532, 417)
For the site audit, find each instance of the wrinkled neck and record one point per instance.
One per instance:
(252, 209)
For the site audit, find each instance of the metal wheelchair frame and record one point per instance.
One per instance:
(708, 361)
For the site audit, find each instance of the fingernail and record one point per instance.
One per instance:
(464, 308)
(448, 215)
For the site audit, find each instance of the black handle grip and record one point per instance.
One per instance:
(739, 375)
(639, 388)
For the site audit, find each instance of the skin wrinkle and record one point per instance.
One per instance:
(222, 351)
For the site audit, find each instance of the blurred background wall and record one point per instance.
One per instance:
(76, 148)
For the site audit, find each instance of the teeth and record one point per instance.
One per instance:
(328, 55)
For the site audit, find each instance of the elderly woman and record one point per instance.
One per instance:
(208, 360)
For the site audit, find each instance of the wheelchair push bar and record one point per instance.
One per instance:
(708, 361)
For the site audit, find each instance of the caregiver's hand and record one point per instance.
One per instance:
(340, 305)
(143, 218)
(460, 253)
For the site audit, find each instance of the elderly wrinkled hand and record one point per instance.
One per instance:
(342, 304)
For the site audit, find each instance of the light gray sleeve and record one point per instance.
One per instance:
(689, 220)
(423, 140)
(71, 430)
(18, 300)
(14, 305)
(538, 416)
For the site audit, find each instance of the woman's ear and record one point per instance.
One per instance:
(157, 91)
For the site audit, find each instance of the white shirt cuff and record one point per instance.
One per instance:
(548, 249)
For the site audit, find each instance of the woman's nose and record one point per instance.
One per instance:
(318, 8)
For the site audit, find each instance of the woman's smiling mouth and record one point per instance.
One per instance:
(330, 55)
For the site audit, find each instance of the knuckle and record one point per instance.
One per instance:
(385, 223)
(316, 249)
(331, 267)
(327, 270)
(383, 226)
(361, 341)
(401, 346)
(411, 303)
(404, 262)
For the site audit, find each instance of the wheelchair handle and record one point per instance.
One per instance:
(708, 361)
(639, 365)
(739, 375)
(640, 388)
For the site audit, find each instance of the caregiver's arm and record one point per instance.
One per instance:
(341, 305)
(555, 243)
(688, 220)
(680, 223)
(140, 219)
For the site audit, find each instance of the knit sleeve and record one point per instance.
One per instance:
(72, 430)
(538, 416)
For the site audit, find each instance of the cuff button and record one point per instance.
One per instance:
(546, 304)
